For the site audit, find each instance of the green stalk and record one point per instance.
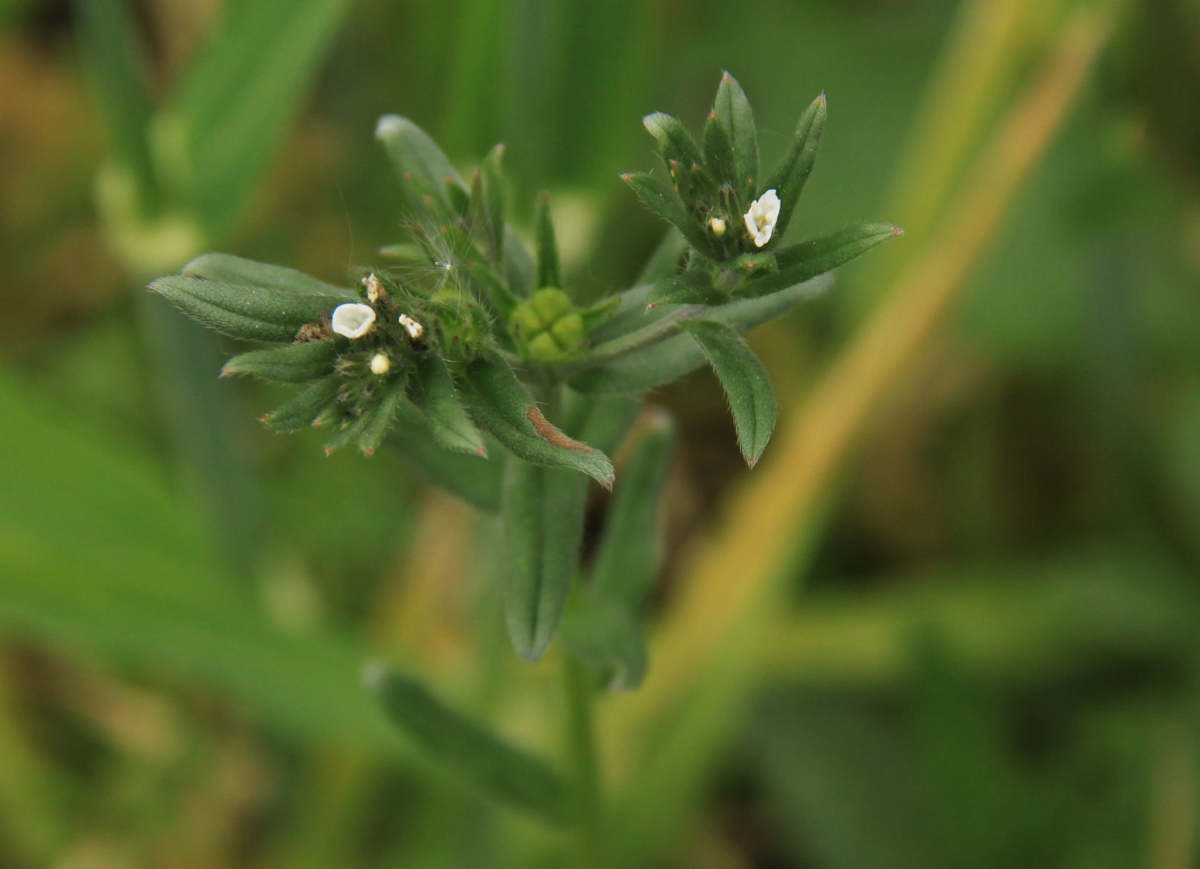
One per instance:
(581, 742)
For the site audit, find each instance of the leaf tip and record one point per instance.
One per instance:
(388, 126)
(897, 231)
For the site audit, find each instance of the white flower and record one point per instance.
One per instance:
(415, 329)
(374, 288)
(717, 225)
(353, 319)
(762, 217)
(380, 364)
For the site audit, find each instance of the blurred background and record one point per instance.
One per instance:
(985, 649)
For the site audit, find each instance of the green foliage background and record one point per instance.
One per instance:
(990, 657)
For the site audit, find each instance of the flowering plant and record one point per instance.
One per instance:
(483, 370)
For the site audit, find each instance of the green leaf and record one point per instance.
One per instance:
(745, 381)
(303, 409)
(116, 70)
(629, 555)
(664, 262)
(596, 314)
(675, 356)
(295, 363)
(674, 140)
(433, 392)
(718, 155)
(520, 270)
(807, 260)
(470, 750)
(473, 478)
(421, 166)
(502, 406)
(223, 268)
(608, 638)
(495, 200)
(252, 313)
(377, 427)
(243, 93)
(792, 172)
(663, 200)
(733, 108)
(693, 287)
(549, 271)
(542, 509)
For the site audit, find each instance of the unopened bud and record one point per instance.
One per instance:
(717, 225)
(381, 364)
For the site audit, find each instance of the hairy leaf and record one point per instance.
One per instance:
(473, 478)
(419, 163)
(226, 269)
(733, 108)
(253, 313)
(433, 392)
(790, 175)
(807, 260)
(303, 409)
(295, 363)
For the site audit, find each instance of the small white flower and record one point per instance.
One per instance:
(415, 329)
(381, 364)
(374, 288)
(717, 225)
(353, 319)
(762, 217)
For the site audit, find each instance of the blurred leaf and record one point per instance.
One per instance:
(693, 287)
(252, 313)
(96, 557)
(420, 165)
(607, 636)
(476, 754)
(503, 406)
(549, 271)
(242, 94)
(472, 477)
(664, 262)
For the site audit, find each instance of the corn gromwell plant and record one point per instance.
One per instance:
(470, 356)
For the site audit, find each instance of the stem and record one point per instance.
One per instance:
(581, 741)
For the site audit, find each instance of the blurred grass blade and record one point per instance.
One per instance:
(473, 752)
(242, 94)
(473, 478)
(542, 509)
(746, 384)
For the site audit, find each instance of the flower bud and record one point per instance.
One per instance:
(381, 364)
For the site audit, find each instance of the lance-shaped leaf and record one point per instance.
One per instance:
(377, 428)
(693, 287)
(745, 381)
(657, 195)
(303, 409)
(674, 140)
(549, 272)
(807, 260)
(433, 391)
(718, 154)
(295, 363)
(543, 510)
(495, 200)
(608, 637)
(419, 163)
(473, 478)
(520, 270)
(792, 172)
(733, 108)
(672, 357)
(469, 749)
(253, 313)
(226, 269)
(502, 406)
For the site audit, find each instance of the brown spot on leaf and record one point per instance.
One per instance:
(551, 434)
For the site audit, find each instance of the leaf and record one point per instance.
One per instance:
(470, 750)
(629, 555)
(520, 271)
(489, 286)
(608, 638)
(373, 432)
(223, 268)
(745, 381)
(243, 93)
(303, 409)
(473, 478)
(674, 140)
(433, 391)
(252, 313)
(793, 170)
(542, 510)
(663, 200)
(549, 270)
(718, 155)
(674, 357)
(502, 406)
(807, 260)
(693, 287)
(594, 315)
(733, 108)
(664, 262)
(295, 363)
(419, 163)
(495, 200)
